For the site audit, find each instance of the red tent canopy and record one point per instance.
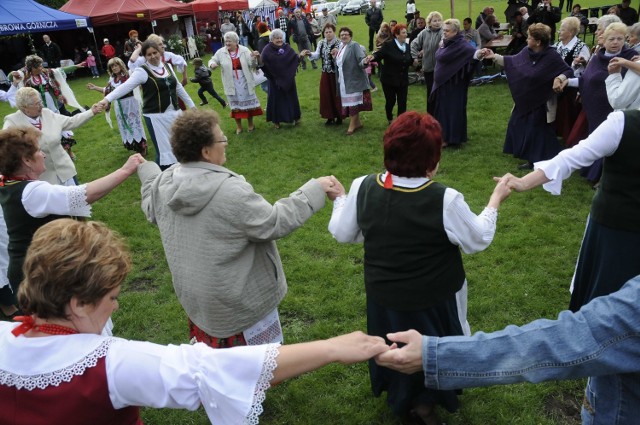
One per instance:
(215, 5)
(115, 11)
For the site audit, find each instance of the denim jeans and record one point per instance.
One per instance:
(600, 341)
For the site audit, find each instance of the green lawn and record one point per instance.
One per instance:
(522, 276)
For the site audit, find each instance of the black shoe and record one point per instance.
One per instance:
(204, 103)
(338, 121)
(329, 122)
(525, 166)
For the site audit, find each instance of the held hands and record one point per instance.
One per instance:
(334, 52)
(616, 64)
(407, 359)
(356, 347)
(97, 108)
(331, 186)
(131, 166)
(489, 54)
(104, 103)
(255, 53)
(511, 182)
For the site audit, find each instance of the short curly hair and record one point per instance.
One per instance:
(69, 258)
(541, 33)
(412, 145)
(192, 131)
(17, 143)
(32, 61)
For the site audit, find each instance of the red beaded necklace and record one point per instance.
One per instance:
(48, 328)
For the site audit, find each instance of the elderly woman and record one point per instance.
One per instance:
(330, 105)
(127, 108)
(219, 235)
(51, 83)
(67, 306)
(352, 80)
(28, 202)
(456, 61)
(575, 53)
(59, 166)
(424, 47)
(487, 32)
(160, 92)
(634, 37)
(592, 85)
(237, 65)
(413, 229)
(533, 75)
(395, 55)
(610, 251)
(280, 63)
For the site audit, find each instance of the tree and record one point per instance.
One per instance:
(54, 4)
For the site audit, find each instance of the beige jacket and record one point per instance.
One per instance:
(222, 58)
(60, 167)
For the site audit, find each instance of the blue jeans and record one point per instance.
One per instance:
(600, 341)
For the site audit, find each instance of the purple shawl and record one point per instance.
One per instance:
(593, 88)
(451, 57)
(280, 65)
(530, 76)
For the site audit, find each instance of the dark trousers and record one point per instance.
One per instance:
(391, 94)
(428, 81)
(208, 87)
(372, 34)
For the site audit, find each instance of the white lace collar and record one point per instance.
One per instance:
(40, 362)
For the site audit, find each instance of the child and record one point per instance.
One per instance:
(203, 77)
(91, 63)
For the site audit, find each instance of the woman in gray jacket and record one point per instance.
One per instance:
(352, 80)
(424, 48)
(219, 235)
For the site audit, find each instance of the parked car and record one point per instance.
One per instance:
(380, 4)
(354, 7)
(332, 7)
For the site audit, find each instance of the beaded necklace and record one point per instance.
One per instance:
(48, 328)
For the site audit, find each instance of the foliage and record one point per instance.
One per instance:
(200, 44)
(522, 276)
(174, 43)
(54, 4)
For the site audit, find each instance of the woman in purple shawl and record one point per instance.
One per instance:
(593, 89)
(455, 63)
(533, 76)
(279, 63)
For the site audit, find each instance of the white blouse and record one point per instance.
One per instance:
(9, 96)
(623, 93)
(472, 233)
(601, 143)
(139, 76)
(230, 383)
(41, 199)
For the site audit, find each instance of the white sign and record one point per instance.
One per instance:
(174, 17)
(153, 23)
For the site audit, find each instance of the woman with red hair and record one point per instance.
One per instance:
(413, 229)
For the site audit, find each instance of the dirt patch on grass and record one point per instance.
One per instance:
(564, 408)
(142, 284)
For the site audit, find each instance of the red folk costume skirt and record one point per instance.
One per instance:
(330, 104)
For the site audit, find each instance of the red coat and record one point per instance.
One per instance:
(108, 51)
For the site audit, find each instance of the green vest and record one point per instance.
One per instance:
(616, 204)
(20, 226)
(158, 92)
(409, 262)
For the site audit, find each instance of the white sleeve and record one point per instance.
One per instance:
(182, 94)
(344, 220)
(41, 199)
(601, 143)
(177, 61)
(472, 233)
(136, 78)
(574, 82)
(315, 55)
(229, 383)
(9, 96)
(623, 93)
(133, 65)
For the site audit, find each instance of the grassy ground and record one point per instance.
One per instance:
(522, 276)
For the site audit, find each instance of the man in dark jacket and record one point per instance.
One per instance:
(373, 19)
(282, 23)
(301, 33)
(546, 14)
(51, 52)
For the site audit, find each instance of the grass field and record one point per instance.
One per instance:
(522, 276)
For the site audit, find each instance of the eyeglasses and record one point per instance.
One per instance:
(221, 141)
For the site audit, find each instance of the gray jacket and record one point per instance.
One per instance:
(355, 77)
(219, 240)
(427, 42)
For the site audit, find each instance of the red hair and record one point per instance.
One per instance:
(397, 28)
(412, 145)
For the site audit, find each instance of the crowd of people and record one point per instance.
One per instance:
(219, 235)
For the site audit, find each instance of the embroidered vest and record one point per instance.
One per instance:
(158, 92)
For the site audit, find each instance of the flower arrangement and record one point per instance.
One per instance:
(174, 43)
